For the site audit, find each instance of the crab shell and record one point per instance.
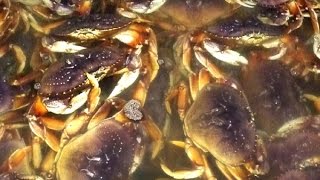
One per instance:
(220, 122)
(110, 150)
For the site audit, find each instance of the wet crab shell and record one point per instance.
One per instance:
(220, 122)
(271, 2)
(194, 14)
(273, 94)
(6, 97)
(249, 30)
(114, 151)
(67, 77)
(289, 152)
(93, 26)
(9, 20)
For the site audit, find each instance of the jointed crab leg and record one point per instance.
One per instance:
(132, 112)
(181, 93)
(15, 159)
(197, 157)
(197, 82)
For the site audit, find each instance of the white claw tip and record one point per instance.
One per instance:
(316, 45)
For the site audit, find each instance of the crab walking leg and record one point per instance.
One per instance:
(181, 93)
(221, 53)
(186, 54)
(36, 152)
(155, 134)
(230, 172)
(50, 139)
(148, 73)
(20, 57)
(315, 25)
(153, 55)
(48, 161)
(104, 111)
(214, 71)
(132, 111)
(281, 44)
(52, 123)
(15, 159)
(126, 80)
(86, 121)
(294, 9)
(197, 82)
(315, 99)
(140, 92)
(313, 16)
(94, 94)
(195, 155)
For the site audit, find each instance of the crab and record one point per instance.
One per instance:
(73, 81)
(273, 93)
(204, 32)
(291, 13)
(118, 142)
(79, 33)
(282, 117)
(220, 124)
(10, 19)
(292, 148)
(14, 155)
(61, 8)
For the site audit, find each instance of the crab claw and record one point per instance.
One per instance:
(145, 7)
(126, 80)
(60, 46)
(226, 55)
(245, 3)
(316, 45)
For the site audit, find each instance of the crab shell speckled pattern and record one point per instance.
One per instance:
(5, 96)
(114, 152)
(220, 122)
(236, 28)
(67, 76)
(273, 94)
(93, 26)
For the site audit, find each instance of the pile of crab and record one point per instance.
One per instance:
(159, 89)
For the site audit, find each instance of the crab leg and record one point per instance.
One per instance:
(181, 92)
(126, 80)
(45, 135)
(153, 55)
(197, 82)
(214, 71)
(132, 111)
(36, 152)
(104, 110)
(186, 54)
(198, 158)
(155, 134)
(15, 159)
(232, 172)
(315, 25)
(245, 3)
(297, 14)
(94, 94)
(48, 161)
(315, 99)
